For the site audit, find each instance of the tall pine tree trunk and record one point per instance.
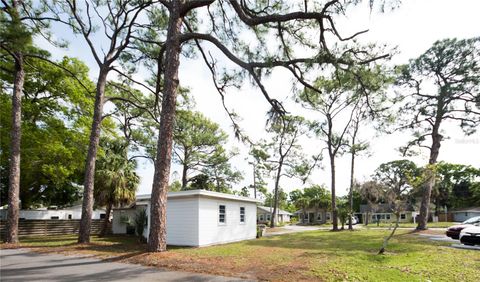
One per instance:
(334, 199)
(350, 196)
(157, 241)
(87, 206)
(184, 172)
(11, 235)
(430, 177)
(275, 197)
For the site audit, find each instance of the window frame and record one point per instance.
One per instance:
(244, 214)
(403, 215)
(224, 214)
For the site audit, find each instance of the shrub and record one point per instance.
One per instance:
(140, 223)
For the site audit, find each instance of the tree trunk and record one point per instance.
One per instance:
(430, 175)
(334, 199)
(107, 220)
(87, 206)
(254, 181)
(385, 241)
(350, 196)
(157, 241)
(184, 176)
(11, 235)
(275, 199)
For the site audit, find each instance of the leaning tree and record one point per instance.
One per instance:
(441, 85)
(230, 26)
(396, 179)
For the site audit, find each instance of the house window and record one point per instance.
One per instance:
(388, 216)
(319, 216)
(102, 216)
(269, 216)
(261, 217)
(328, 216)
(54, 217)
(403, 216)
(69, 216)
(242, 214)
(222, 215)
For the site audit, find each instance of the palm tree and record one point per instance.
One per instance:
(116, 180)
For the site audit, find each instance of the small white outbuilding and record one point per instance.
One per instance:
(197, 218)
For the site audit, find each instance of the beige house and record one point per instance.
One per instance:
(313, 216)
(383, 213)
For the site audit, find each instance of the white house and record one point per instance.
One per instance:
(197, 218)
(74, 212)
(264, 215)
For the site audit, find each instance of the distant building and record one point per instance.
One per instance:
(384, 213)
(466, 213)
(313, 216)
(264, 215)
(74, 212)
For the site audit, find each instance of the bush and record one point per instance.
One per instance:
(260, 228)
(140, 223)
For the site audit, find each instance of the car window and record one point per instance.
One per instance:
(472, 220)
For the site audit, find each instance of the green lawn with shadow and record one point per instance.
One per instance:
(313, 255)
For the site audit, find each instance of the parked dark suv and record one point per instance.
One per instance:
(454, 231)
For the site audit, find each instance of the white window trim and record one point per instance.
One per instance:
(218, 214)
(260, 217)
(319, 216)
(404, 215)
(244, 214)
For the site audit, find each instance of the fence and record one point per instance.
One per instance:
(51, 227)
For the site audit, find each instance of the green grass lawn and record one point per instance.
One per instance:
(314, 255)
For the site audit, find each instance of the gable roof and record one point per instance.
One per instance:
(270, 210)
(201, 193)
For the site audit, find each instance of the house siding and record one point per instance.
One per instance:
(193, 220)
(212, 232)
(182, 221)
(462, 216)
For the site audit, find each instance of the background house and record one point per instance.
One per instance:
(197, 217)
(313, 216)
(383, 213)
(74, 212)
(464, 214)
(264, 215)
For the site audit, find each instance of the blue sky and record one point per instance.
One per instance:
(413, 28)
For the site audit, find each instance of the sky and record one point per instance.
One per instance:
(413, 27)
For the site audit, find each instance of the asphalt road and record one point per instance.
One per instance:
(23, 265)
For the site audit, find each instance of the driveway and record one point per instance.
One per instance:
(23, 265)
(455, 243)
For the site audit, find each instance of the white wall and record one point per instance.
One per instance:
(182, 221)
(211, 232)
(48, 214)
(193, 221)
